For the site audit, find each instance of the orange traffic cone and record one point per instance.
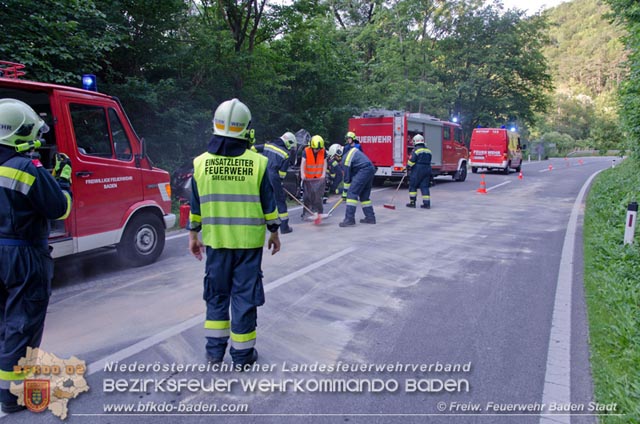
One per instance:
(483, 185)
(520, 175)
(550, 167)
(580, 161)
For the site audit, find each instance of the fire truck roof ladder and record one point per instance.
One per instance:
(381, 113)
(11, 69)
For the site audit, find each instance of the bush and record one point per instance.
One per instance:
(612, 272)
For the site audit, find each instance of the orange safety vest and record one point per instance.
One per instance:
(314, 163)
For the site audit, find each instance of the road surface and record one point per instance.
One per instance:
(441, 315)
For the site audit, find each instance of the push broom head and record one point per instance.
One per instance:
(389, 206)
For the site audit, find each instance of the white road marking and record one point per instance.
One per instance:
(498, 185)
(151, 341)
(286, 279)
(557, 379)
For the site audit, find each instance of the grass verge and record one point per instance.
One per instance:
(612, 284)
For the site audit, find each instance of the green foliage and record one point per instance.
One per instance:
(612, 291)
(627, 13)
(495, 68)
(307, 64)
(558, 143)
(57, 40)
(586, 59)
(573, 115)
(595, 63)
(320, 83)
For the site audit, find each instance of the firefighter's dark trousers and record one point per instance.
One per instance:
(337, 179)
(420, 177)
(278, 191)
(360, 189)
(25, 288)
(233, 281)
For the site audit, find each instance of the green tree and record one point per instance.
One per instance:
(57, 40)
(558, 143)
(586, 59)
(627, 12)
(494, 69)
(572, 115)
(586, 53)
(320, 89)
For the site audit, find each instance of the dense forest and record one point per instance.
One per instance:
(314, 63)
(586, 57)
(627, 15)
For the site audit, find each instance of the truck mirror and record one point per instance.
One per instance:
(143, 148)
(142, 154)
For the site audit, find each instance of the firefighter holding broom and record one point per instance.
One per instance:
(358, 179)
(419, 166)
(277, 153)
(313, 173)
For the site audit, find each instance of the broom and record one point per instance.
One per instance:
(315, 215)
(391, 205)
(328, 214)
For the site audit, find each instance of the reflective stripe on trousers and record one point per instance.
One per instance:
(233, 291)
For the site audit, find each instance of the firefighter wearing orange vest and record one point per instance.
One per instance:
(232, 204)
(314, 172)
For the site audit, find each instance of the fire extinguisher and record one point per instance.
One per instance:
(184, 214)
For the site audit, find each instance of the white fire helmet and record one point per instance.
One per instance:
(335, 150)
(20, 125)
(232, 119)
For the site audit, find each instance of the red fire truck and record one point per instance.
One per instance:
(385, 137)
(495, 149)
(119, 198)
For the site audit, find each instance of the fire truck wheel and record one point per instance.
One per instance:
(461, 174)
(506, 170)
(142, 241)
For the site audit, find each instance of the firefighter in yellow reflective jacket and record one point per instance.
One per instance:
(29, 198)
(232, 204)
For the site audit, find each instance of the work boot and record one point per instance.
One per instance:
(11, 407)
(425, 205)
(411, 204)
(284, 227)
(245, 365)
(368, 220)
(10, 402)
(349, 217)
(214, 359)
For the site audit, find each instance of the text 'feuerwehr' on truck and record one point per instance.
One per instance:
(385, 137)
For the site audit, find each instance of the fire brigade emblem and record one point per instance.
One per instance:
(36, 394)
